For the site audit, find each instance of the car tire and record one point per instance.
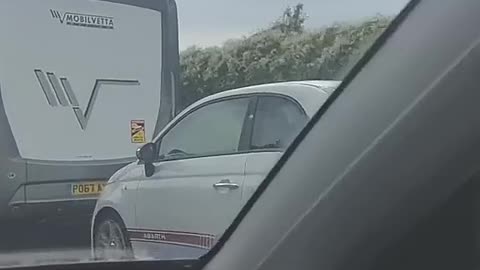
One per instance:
(111, 241)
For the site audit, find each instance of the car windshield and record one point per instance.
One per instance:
(137, 130)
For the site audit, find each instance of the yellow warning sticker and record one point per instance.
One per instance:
(137, 131)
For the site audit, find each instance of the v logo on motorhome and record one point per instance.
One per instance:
(60, 93)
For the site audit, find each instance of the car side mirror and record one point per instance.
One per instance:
(147, 155)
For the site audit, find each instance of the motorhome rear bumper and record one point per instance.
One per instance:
(66, 210)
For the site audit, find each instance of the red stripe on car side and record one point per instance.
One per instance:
(172, 237)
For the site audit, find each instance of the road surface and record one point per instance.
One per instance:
(23, 241)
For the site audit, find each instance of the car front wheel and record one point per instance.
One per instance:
(111, 241)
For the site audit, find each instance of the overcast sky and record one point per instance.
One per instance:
(211, 22)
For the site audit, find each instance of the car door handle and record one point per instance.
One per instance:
(226, 184)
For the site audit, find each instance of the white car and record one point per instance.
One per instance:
(192, 180)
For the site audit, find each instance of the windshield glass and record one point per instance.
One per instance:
(139, 131)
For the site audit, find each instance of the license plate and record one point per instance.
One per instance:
(89, 188)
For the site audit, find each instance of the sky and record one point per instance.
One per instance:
(212, 22)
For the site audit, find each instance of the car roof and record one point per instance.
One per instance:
(319, 86)
(310, 94)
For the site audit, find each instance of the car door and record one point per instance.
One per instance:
(196, 189)
(277, 121)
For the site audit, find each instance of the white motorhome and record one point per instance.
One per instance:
(82, 85)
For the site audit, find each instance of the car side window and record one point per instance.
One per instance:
(277, 122)
(213, 129)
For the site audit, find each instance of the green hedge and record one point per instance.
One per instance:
(279, 53)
